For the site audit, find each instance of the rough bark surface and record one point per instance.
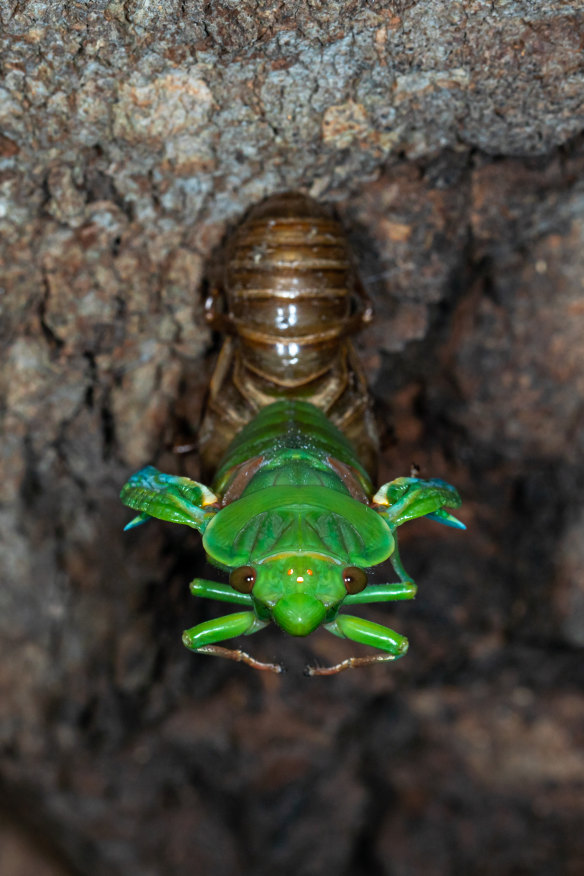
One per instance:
(133, 135)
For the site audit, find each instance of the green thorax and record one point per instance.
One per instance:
(296, 444)
(291, 483)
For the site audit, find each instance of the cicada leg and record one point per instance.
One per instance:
(349, 663)
(240, 657)
(367, 633)
(392, 592)
(397, 564)
(217, 590)
(202, 638)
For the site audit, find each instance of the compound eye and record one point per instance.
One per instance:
(355, 579)
(243, 579)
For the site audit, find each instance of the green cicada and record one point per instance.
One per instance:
(293, 519)
(292, 515)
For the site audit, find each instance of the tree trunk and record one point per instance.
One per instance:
(134, 135)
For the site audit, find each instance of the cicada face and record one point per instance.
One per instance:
(298, 591)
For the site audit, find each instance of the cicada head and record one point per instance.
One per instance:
(298, 591)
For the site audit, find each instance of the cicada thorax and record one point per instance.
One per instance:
(288, 297)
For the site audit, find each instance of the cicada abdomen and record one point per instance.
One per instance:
(288, 298)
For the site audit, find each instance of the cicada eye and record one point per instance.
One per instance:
(243, 579)
(355, 579)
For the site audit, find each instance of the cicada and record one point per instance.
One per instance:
(292, 516)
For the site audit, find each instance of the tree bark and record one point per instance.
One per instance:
(133, 136)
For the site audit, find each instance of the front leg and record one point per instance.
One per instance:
(366, 633)
(396, 590)
(405, 588)
(203, 637)
(216, 590)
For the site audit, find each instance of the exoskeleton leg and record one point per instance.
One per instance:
(203, 638)
(366, 633)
